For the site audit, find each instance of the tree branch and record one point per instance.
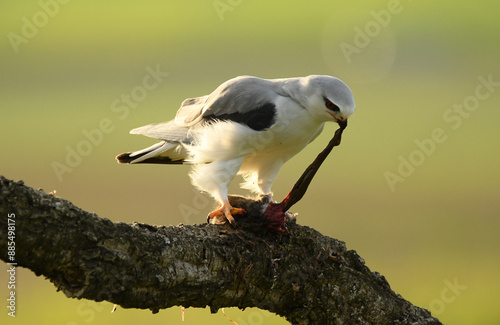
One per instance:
(302, 275)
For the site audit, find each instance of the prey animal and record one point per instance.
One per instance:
(248, 126)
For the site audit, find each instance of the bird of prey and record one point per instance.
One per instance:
(248, 126)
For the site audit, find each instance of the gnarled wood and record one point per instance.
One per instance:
(301, 275)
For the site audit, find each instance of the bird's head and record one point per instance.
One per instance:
(327, 98)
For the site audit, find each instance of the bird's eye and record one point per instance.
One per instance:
(331, 106)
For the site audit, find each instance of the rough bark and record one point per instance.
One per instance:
(301, 275)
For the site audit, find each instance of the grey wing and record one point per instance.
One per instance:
(176, 130)
(246, 100)
(167, 131)
(191, 111)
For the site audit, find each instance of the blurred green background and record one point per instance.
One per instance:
(425, 217)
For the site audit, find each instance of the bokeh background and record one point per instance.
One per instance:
(422, 211)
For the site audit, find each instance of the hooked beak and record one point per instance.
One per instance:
(342, 123)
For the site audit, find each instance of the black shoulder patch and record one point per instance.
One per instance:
(258, 119)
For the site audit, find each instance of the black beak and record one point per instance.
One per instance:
(342, 123)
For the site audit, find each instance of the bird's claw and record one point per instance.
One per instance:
(223, 214)
(234, 212)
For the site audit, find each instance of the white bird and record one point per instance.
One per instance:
(248, 126)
